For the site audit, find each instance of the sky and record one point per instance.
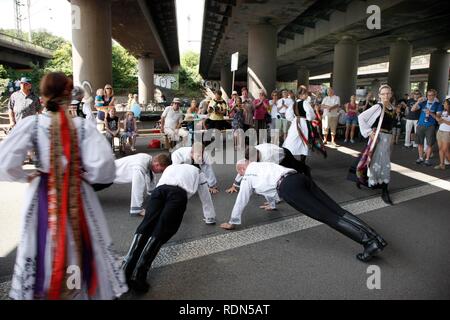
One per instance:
(55, 17)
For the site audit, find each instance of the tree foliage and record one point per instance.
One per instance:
(190, 79)
(124, 69)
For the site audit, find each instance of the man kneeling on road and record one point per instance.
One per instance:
(300, 192)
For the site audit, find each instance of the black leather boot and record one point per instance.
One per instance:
(132, 256)
(139, 277)
(360, 223)
(362, 236)
(385, 194)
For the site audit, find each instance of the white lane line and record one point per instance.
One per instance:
(440, 183)
(232, 240)
(235, 239)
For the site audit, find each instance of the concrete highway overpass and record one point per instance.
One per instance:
(287, 40)
(146, 28)
(20, 54)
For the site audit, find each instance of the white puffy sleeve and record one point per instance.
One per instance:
(14, 149)
(87, 110)
(96, 156)
(290, 115)
(310, 115)
(367, 119)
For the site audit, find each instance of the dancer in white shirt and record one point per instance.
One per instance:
(139, 170)
(162, 219)
(196, 155)
(300, 192)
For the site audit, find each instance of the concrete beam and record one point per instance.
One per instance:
(400, 67)
(146, 67)
(92, 44)
(262, 47)
(438, 73)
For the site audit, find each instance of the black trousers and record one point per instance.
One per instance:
(290, 162)
(163, 213)
(301, 192)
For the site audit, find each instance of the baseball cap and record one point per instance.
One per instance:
(176, 100)
(25, 80)
(234, 92)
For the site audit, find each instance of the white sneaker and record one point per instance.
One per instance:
(210, 221)
(352, 141)
(345, 141)
(446, 162)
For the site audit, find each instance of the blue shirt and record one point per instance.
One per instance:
(434, 107)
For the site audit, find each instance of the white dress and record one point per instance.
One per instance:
(294, 143)
(99, 165)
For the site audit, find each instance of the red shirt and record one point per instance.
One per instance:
(260, 112)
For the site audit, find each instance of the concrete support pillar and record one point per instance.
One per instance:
(146, 67)
(226, 79)
(422, 87)
(303, 77)
(262, 59)
(91, 43)
(400, 67)
(438, 73)
(345, 68)
(375, 87)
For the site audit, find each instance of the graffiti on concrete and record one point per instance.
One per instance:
(167, 81)
(211, 84)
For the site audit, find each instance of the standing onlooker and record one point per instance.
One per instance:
(247, 104)
(203, 107)
(136, 107)
(130, 100)
(261, 107)
(368, 102)
(283, 105)
(411, 119)
(397, 128)
(330, 106)
(351, 121)
(217, 109)
(238, 120)
(191, 117)
(275, 123)
(23, 103)
(232, 101)
(430, 110)
(443, 135)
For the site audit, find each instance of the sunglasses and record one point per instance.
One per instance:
(108, 88)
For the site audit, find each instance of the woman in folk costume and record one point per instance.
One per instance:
(379, 169)
(65, 251)
(298, 134)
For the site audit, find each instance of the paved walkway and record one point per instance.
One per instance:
(283, 254)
